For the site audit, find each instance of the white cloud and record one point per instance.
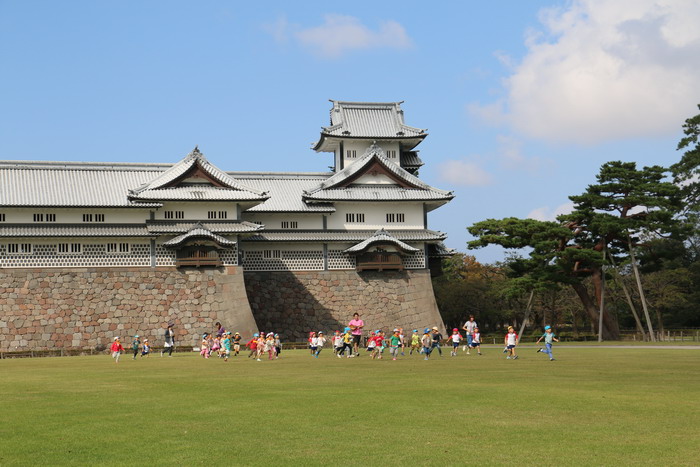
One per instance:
(463, 173)
(512, 157)
(340, 34)
(601, 70)
(545, 213)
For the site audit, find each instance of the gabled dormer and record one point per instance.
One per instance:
(194, 178)
(375, 178)
(355, 125)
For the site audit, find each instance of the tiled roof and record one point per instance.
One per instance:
(198, 231)
(73, 231)
(332, 189)
(71, 184)
(370, 120)
(381, 236)
(162, 183)
(285, 190)
(216, 227)
(419, 235)
(440, 250)
(411, 159)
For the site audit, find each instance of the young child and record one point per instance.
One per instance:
(278, 346)
(437, 339)
(270, 345)
(403, 341)
(320, 342)
(337, 342)
(135, 346)
(456, 338)
(395, 343)
(116, 349)
(312, 339)
(415, 342)
(261, 346)
(226, 345)
(253, 345)
(427, 342)
(215, 345)
(510, 341)
(146, 348)
(347, 344)
(204, 351)
(476, 340)
(378, 345)
(236, 344)
(548, 337)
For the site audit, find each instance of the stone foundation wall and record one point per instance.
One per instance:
(294, 303)
(84, 308)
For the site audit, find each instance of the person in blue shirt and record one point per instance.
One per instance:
(548, 337)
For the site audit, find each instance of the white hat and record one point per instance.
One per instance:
(116, 338)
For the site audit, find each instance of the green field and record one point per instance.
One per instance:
(592, 406)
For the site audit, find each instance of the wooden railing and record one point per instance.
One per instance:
(379, 261)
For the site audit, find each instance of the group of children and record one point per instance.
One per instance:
(220, 345)
(262, 343)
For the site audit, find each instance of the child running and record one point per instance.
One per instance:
(320, 342)
(427, 342)
(135, 346)
(252, 344)
(270, 345)
(476, 341)
(456, 338)
(146, 348)
(347, 344)
(313, 344)
(226, 345)
(510, 341)
(116, 349)
(236, 344)
(204, 351)
(415, 342)
(278, 346)
(548, 337)
(378, 345)
(395, 344)
(337, 342)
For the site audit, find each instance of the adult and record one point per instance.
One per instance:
(356, 326)
(169, 341)
(220, 331)
(469, 326)
(437, 338)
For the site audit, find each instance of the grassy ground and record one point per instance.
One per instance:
(590, 407)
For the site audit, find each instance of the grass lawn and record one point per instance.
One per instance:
(590, 407)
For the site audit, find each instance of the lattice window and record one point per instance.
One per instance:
(391, 154)
(174, 214)
(272, 254)
(87, 217)
(122, 247)
(41, 217)
(91, 255)
(339, 260)
(351, 153)
(2, 217)
(70, 248)
(290, 224)
(288, 261)
(19, 248)
(395, 217)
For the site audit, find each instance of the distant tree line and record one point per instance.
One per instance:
(626, 257)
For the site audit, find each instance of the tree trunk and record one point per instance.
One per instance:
(642, 299)
(630, 303)
(611, 331)
(527, 314)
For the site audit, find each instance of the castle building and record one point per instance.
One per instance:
(90, 250)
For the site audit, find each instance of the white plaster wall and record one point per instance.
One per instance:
(273, 221)
(361, 146)
(198, 211)
(75, 215)
(297, 246)
(375, 216)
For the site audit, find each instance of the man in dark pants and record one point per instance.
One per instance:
(169, 341)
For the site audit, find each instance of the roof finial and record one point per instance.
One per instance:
(196, 149)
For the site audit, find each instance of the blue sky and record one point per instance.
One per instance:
(523, 100)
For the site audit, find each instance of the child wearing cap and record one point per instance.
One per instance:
(347, 343)
(549, 337)
(320, 342)
(145, 348)
(270, 345)
(427, 343)
(252, 344)
(456, 338)
(510, 341)
(476, 340)
(395, 344)
(437, 338)
(313, 343)
(415, 342)
(204, 351)
(337, 342)
(378, 344)
(116, 349)
(226, 345)
(236, 344)
(261, 346)
(135, 344)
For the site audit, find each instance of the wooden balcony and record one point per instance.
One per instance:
(198, 258)
(379, 261)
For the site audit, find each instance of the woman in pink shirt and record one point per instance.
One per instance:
(356, 326)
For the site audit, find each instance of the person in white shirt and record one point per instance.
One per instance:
(469, 326)
(510, 342)
(476, 341)
(320, 342)
(456, 337)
